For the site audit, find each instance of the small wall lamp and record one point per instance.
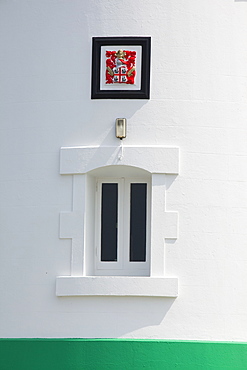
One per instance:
(121, 128)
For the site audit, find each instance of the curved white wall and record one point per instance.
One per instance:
(198, 103)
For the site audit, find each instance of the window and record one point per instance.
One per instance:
(122, 227)
(129, 233)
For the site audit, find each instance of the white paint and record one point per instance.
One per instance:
(198, 103)
(71, 225)
(171, 225)
(154, 159)
(77, 160)
(117, 286)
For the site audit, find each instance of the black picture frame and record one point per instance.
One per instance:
(144, 91)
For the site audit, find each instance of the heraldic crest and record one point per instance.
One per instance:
(120, 67)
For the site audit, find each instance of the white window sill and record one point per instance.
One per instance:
(116, 286)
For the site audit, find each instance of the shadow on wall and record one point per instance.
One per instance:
(112, 317)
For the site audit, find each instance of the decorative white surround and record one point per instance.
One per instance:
(154, 159)
(117, 286)
(78, 225)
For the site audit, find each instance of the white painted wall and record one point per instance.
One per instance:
(198, 103)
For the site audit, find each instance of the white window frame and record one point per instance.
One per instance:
(122, 266)
(78, 224)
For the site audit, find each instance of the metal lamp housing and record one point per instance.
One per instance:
(121, 128)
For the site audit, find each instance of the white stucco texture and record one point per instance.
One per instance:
(197, 104)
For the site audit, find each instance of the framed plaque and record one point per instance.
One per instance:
(121, 67)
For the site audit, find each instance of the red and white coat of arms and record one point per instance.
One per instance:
(120, 67)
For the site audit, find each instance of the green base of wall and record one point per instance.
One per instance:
(120, 354)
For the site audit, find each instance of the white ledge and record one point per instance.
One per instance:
(155, 159)
(116, 286)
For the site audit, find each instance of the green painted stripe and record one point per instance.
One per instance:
(120, 354)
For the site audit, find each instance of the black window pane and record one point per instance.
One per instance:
(109, 220)
(138, 213)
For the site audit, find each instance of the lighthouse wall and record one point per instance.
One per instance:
(197, 105)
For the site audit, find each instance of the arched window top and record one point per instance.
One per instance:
(120, 171)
